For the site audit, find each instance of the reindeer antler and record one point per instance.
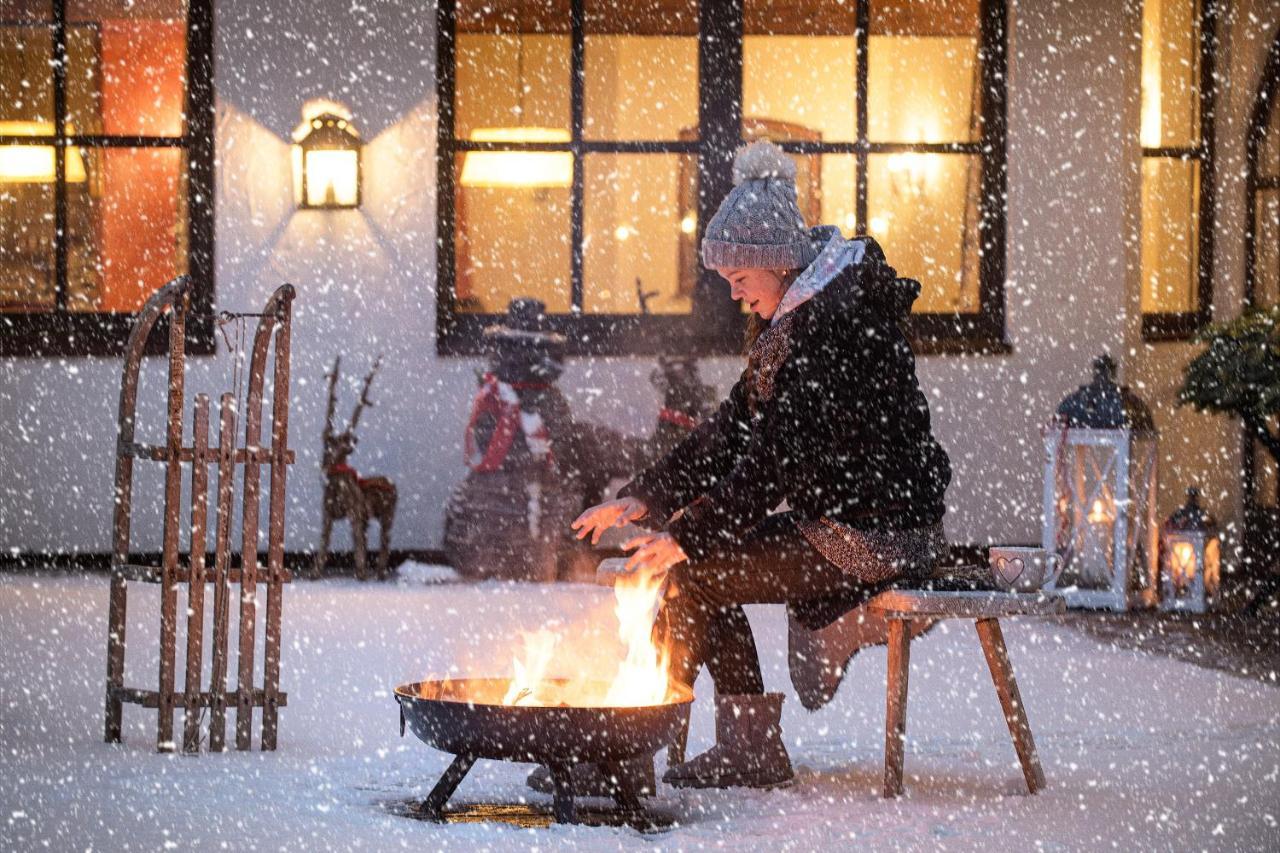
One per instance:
(333, 398)
(364, 393)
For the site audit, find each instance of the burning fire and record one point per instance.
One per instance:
(539, 646)
(642, 677)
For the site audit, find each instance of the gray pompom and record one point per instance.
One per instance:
(762, 159)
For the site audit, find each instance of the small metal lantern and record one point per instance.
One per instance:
(1190, 564)
(326, 164)
(1100, 495)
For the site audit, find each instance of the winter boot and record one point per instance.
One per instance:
(634, 777)
(819, 659)
(748, 752)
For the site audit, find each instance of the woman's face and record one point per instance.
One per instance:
(759, 289)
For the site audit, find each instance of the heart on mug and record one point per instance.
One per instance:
(1009, 570)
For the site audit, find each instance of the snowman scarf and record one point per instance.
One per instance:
(500, 401)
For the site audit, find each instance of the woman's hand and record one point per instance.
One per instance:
(601, 517)
(655, 553)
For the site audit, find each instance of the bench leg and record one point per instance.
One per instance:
(1015, 715)
(895, 711)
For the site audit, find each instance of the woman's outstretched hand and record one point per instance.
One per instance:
(654, 554)
(616, 513)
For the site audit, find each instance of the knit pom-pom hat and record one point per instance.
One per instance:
(758, 225)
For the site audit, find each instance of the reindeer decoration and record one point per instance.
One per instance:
(346, 493)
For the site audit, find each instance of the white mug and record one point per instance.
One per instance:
(1024, 569)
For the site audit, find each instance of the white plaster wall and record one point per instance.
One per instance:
(365, 282)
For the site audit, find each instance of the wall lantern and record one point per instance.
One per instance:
(518, 169)
(1100, 494)
(326, 163)
(35, 164)
(1191, 553)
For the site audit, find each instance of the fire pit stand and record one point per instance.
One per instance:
(465, 717)
(563, 808)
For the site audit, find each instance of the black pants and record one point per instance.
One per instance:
(703, 619)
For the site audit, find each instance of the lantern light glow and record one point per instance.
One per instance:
(326, 159)
(1190, 566)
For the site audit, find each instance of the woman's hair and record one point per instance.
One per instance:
(754, 329)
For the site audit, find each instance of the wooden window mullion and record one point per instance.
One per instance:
(446, 254)
(59, 65)
(577, 94)
(862, 36)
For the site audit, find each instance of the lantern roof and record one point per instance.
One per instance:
(329, 130)
(1103, 404)
(1191, 517)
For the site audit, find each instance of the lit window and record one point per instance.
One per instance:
(1176, 136)
(95, 168)
(585, 144)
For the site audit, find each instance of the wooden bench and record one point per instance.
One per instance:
(901, 607)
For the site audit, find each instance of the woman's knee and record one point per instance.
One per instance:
(703, 582)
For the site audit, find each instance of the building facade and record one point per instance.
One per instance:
(1059, 176)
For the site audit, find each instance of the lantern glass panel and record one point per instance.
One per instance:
(1212, 565)
(1099, 495)
(1182, 562)
(332, 177)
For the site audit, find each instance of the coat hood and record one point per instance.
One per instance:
(878, 286)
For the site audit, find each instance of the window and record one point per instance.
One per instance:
(583, 143)
(106, 158)
(1177, 176)
(1262, 250)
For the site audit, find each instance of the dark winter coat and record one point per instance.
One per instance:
(828, 415)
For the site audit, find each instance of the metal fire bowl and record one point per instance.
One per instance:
(466, 717)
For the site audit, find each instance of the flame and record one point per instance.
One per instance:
(1098, 513)
(642, 677)
(539, 646)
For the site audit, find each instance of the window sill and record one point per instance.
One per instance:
(83, 335)
(1172, 328)
(961, 346)
(641, 336)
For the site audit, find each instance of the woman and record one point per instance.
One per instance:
(829, 417)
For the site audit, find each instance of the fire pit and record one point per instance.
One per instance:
(472, 719)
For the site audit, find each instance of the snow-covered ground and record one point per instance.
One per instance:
(1141, 752)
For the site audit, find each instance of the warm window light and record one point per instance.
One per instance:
(518, 168)
(1149, 131)
(34, 164)
(910, 173)
(326, 162)
(878, 224)
(689, 224)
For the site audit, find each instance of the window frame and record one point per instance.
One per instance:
(1182, 326)
(1264, 105)
(714, 326)
(104, 333)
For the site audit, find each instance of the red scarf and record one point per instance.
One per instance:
(506, 414)
(678, 418)
(344, 468)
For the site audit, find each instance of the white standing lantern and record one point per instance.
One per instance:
(1190, 564)
(1100, 495)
